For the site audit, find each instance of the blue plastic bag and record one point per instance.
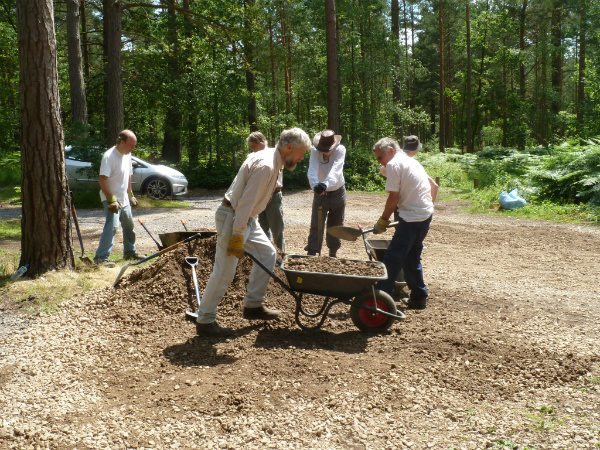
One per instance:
(511, 200)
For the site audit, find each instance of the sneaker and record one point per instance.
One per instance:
(417, 304)
(212, 329)
(261, 313)
(105, 263)
(134, 256)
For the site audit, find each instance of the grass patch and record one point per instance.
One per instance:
(10, 229)
(11, 195)
(47, 292)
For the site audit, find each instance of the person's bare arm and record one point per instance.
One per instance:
(103, 180)
(434, 189)
(390, 204)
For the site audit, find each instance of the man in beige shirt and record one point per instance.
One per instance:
(238, 230)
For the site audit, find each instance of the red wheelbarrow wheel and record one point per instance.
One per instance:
(370, 321)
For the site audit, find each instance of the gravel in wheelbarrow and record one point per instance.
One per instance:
(333, 277)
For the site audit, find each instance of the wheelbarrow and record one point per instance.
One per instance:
(168, 239)
(371, 310)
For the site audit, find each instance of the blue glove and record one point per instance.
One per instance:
(320, 188)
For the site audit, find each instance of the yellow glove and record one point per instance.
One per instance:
(380, 226)
(132, 198)
(236, 246)
(113, 204)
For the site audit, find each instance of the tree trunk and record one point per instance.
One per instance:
(522, 51)
(46, 220)
(582, 50)
(286, 59)
(113, 87)
(85, 47)
(397, 87)
(171, 147)
(556, 77)
(249, 54)
(442, 136)
(76, 82)
(333, 115)
(469, 138)
(273, 79)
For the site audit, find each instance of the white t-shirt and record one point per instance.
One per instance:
(118, 168)
(408, 177)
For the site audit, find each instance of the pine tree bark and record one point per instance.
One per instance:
(582, 54)
(557, 56)
(113, 86)
(249, 55)
(442, 134)
(46, 220)
(76, 82)
(333, 113)
(397, 86)
(171, 147)
(469, 137)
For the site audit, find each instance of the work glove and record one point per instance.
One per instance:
(113, 204)
(380, 226)
(320, 188)
(236, 246)
(132, 198)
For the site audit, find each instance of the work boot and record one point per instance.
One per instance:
(212, 329)
(416, 304)
(332, 254)
(134, 256)
(261, 313)
(104, 263)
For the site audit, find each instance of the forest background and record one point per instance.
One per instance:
(512, 99)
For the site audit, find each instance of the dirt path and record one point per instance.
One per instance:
(506, 354)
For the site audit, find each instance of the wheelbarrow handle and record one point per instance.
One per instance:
(271, 273)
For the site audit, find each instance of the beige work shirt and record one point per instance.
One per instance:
(253, 186)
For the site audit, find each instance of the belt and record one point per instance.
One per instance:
(226, 202)
(276, 190)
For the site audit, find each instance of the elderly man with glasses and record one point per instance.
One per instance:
(409, 192)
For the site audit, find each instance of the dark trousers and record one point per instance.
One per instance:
(333, 209)
(404, 253)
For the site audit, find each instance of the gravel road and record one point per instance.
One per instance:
(505, 356)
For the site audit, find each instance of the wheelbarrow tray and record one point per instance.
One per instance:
(168, 239)
(377, 247)
(329, 284)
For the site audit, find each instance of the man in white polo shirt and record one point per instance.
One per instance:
(238, 230)
(409, 190)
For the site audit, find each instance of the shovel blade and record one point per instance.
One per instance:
(345, 233)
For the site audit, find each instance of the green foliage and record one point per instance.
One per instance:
(10, 169)
(10, 229)
(209, 176)
(361, 171)
(570, 173)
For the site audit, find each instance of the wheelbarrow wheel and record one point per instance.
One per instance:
(370, 321)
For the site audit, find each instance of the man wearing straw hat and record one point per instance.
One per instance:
(326, 178)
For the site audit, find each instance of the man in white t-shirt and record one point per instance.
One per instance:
(409, 191)
(271, 219)
(117, 197)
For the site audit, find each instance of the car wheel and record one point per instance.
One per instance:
(157, 188)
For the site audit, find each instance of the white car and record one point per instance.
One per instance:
(156, 181)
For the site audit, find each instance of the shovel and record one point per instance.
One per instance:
(349, 233)
(147, 231)
(83, 258)
(148, 258)
(193, 262)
